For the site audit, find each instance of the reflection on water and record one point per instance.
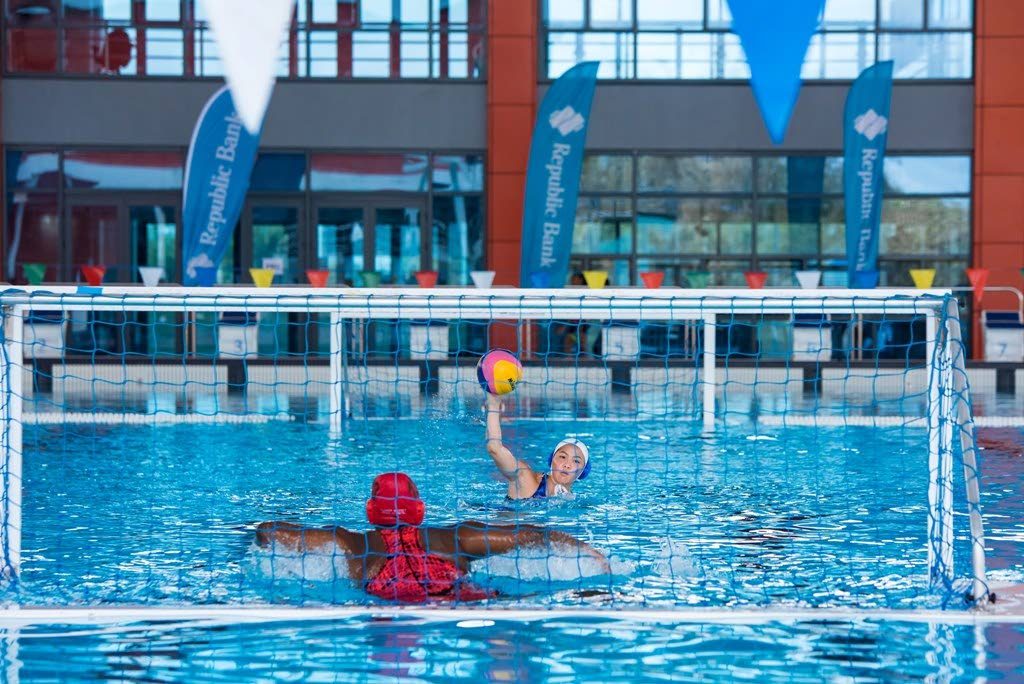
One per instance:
(552, 650)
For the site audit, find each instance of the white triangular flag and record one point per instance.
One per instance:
(249, 35)
(808, 280)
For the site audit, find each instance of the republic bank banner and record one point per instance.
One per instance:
(220, 161)
(553, 177)
(865, 131)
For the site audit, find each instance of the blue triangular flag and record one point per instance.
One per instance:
(775, 36)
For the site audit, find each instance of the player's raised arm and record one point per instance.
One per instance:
(506, 461)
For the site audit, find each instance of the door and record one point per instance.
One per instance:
(121, 233)
(368, 242)
(395, 245)
(272, 240)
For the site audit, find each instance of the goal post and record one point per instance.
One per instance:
(713, 316)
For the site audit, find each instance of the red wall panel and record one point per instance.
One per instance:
(511, 107)
(999, 149)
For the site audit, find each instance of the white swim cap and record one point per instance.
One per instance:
(579, 445)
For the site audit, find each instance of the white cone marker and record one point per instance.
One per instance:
(809, 280)
(482, 279)
(151, 275)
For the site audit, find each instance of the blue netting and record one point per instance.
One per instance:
(158, 432)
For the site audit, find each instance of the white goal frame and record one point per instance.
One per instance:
(947, 369)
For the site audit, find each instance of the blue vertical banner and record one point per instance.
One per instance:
(865, 132)
(553, 177)
(220, 161)
(775, 37)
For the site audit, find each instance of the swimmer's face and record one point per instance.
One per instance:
(567, 464)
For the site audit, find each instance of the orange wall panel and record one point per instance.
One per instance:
(511, 107)
(999, 149)
(999, 17)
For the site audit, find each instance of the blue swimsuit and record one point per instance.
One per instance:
(542, 490)
(541, 493)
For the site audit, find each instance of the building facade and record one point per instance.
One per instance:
(398, 135)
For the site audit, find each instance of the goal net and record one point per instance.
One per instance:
(787, 449)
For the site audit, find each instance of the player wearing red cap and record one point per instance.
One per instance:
(401, 561)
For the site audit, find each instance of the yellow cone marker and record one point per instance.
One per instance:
(923, 277)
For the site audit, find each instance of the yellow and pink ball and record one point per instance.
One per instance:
(499, 371)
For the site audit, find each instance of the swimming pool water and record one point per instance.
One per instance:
(363, 650)
(750, 516)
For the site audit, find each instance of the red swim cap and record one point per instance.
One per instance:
(394, 500)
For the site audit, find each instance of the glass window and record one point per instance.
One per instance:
(96, 234)
(927, 175)
(611, 13)
(207, 55)
(326, 11)
(323, 53)
(32, 235)
(658, 56)
(950, 13)
(275, 241)
(719, 15)
(674, 55)
(280, 172)
(375, 12)
(913, 227)
(565, 13)
(89, 50)
(460, 174)
(614, 50)
(833, 234)
(457, 239)
(340, 246)
(902, 14)
(897, 273)
(603, 226)
(414, 11)
(123, 170)
(678, 14)
(849, 14)
(153, 232)
(36, 170)
(414, 51)
(800, 174)
(618, 276)
(695, 174)
(839, 55)
(98, 9)
(165, 52)
(794, 225)
(459, 63)
(371, 54)
(607, 172)
(163, 10)
(927, 55)
(457, 10)
(369, 172)
(693, 226)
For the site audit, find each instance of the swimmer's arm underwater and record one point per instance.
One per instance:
(302, 538)
(478, 540)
